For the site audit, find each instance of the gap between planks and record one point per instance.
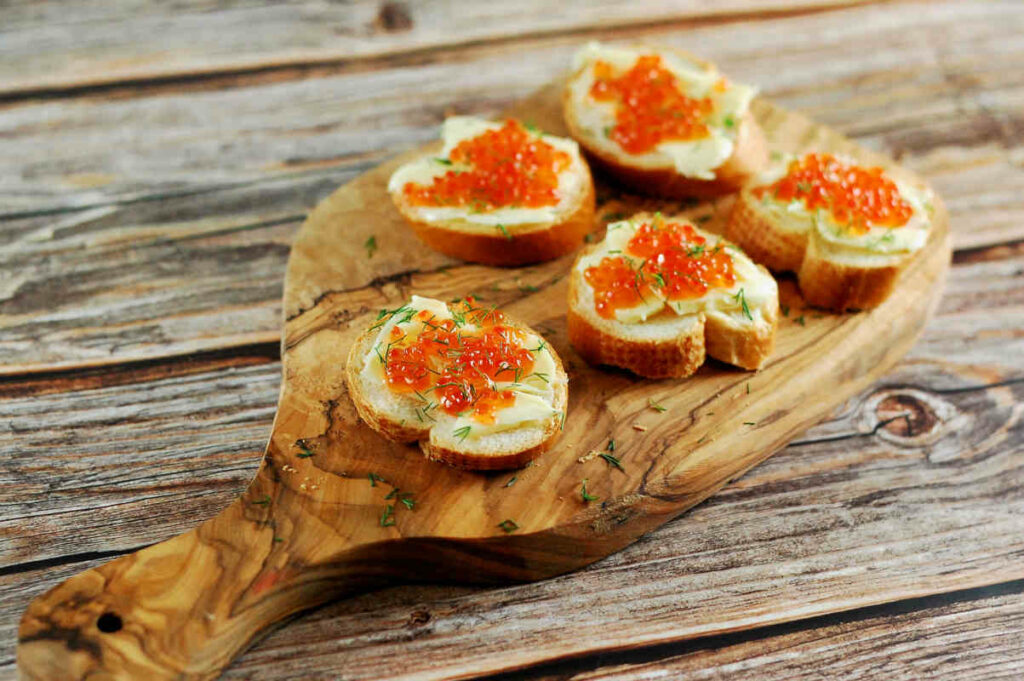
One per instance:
(283, 70)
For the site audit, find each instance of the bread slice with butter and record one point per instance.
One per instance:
(497, 193)
(476, 389)
(845, 229)
(662, 122)
(658, 295)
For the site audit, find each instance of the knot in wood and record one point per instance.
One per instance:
(913, 418)
(418, 619)
(393, 17)
(904, 415)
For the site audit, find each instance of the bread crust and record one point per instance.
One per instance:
(824, 281)
(840, 287)
(749, 156)
(596, 341)
(753, 230)
(524, 245)
(397, 431)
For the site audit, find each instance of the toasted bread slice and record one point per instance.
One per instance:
(837, 268)
(716, 163)
(465, 417)
(482, 220)
(659, 334)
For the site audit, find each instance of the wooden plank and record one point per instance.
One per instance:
(307, 526)
(241, 165)
(196, 140)
(46, 48)
(943, 637)
(851, 509)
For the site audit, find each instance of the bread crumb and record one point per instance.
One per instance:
(588, 456)
(641, 428)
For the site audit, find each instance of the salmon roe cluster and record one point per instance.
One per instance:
(675, 263)
(452, 364)
(651, 108)
(506, 167)
(856, 197)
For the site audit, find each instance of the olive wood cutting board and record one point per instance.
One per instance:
(328, 511)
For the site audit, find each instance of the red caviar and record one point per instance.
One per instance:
(452, 364)
(506, 167)
(651, 108)
(675, 261)
(856, 197)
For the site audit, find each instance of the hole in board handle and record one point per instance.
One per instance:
(109, 623)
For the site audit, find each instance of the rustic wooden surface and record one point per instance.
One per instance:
(310, 527)
(141, 215)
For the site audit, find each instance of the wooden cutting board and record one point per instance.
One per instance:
(328, 512)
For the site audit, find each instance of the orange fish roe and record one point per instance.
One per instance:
(651, 107)
(856, 197)
(507, 167)
(452, 364)
(675, 262)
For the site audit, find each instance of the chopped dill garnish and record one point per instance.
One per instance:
(612, 460)
(743, 303)
(374, 479)
(504, 231)
(611, 446)
(655, 406)
(462, 433)
(508, 525)
(387, 519)
(801, 321)
(511, 481)
(371, 246)
(265, 501)
(586, 496)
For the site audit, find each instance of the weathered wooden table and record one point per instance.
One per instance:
(156, 159)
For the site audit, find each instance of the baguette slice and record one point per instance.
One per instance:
(717, 164)
(734, 324)
(520, 432)
(836, 270)
(506, 235)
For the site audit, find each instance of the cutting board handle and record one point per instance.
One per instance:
(184, 608)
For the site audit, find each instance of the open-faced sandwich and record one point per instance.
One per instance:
(657, 294)
(845, 229)
(475, 388)
(662, 122)
(497, 193)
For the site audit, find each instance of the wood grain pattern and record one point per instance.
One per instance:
(937, 84)
(122, 41)
(233, 161)
(807, 504)
(304, 532)
(974, 640)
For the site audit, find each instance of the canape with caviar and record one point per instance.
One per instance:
(845, 228)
